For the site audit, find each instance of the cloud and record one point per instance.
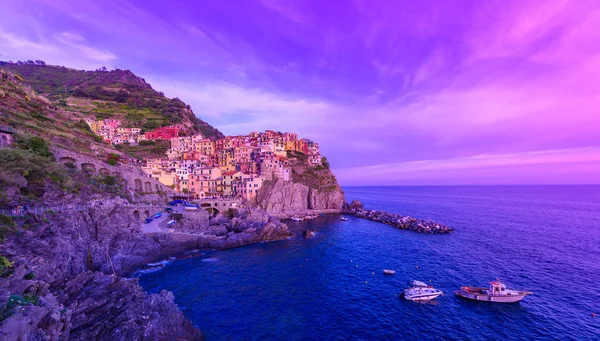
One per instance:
(378, 83)
(217, 101)
(460, 170)
(66, 48)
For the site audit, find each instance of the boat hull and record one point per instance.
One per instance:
(428, 297)
(187, 208)
(489, 298)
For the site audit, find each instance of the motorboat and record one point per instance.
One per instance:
(420, 291)
(343, 218)
(296, 218)
(497, 292)
(389, 272)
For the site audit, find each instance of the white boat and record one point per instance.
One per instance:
(343, 218)
(389, 272)
(497, 292)
(420, 291)
(296, 219)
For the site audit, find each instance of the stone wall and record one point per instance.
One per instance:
(136, 180)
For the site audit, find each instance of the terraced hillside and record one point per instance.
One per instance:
(115, 94)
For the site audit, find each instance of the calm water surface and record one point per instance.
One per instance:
(541, 238)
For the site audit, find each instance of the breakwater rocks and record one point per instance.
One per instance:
(399, 221)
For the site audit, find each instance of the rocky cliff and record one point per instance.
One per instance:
(311, 189)
(289, 198)
(63, 280)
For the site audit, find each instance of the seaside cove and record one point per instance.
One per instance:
(332, 287)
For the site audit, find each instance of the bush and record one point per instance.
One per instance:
(6, 220)
(4, 264)
(147, 143)
(34, 144)
(112, 162)
(29, 276)
(6, 228)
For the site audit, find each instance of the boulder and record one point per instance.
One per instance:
(308, 233)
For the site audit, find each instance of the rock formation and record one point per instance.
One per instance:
(75, 261)
(197, 231)
(62, 276)
(396, 220)
(288, 198)
(308, 233)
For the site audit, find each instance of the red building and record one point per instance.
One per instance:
(163, 133)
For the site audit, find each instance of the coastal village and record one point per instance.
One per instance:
(230, 167)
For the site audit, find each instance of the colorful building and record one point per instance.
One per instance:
(163, 133)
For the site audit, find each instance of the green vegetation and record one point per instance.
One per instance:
(314, 177)
(107, 184)
(146, 150)
(17, 301)
(5, 264)
(32, 162)
(34, 144)
(118, 94)
(29, 276)
(113, 159)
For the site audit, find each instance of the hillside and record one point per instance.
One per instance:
(116, 94)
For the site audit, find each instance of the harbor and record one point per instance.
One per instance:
(309, 288)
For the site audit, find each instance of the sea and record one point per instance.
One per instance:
(545, 239)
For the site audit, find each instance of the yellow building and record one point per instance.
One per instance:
(229, 182)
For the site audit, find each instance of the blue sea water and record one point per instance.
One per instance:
(545, 239)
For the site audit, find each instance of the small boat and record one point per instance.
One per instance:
(497, 292)
(171, 223)
(389, 272)
(343, 218)
(296, 219)
(419, 291)
(149, 220)
(158, 215)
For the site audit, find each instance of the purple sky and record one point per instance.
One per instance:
(395, 92)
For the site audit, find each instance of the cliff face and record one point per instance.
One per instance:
(65, 273)
(60, 285)
(309, 191)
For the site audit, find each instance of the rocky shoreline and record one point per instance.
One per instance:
(396, 220)
(68, 274)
